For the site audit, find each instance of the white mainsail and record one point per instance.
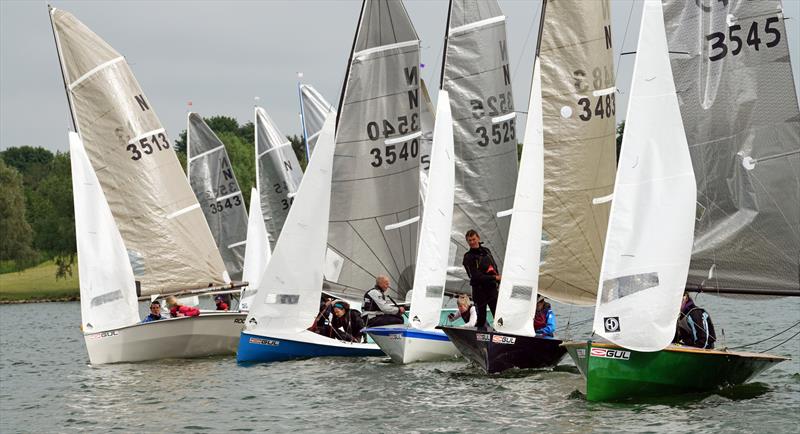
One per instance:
(289, 291)
(314, 108)
(108, 290)
(375, 193)
(426, 113)
(168, 240)
(516, 301)
(257, 252)
(278, 173)
(214, 184)
(434, 240)
(477, 74)
(649, 241)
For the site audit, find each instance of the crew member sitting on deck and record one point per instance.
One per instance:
(345, 324)
(544, 320)
(177, 310)
(377, 309)
(220, 302)
(466, 311)
(695, 328)
(155, 312)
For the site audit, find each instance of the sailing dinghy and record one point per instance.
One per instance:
(132, 200)
(661, 190)
(561, 202)
(419, 341)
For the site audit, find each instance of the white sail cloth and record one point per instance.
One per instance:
(516, 302)
(108, 291)
(289, 291)
(649, 241)
(257, 252)
(434, 240)
(314, 109)
(168, 240)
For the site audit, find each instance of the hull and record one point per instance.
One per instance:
(614, 373)
(407, 345)
(281, 346)
(496, 352)
(206, 335)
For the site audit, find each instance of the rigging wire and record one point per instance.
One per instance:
(525, 44)
(622, 45)
(773, 336)
(776, 346)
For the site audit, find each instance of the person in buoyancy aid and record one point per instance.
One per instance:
(695, 328)
(379, 311)
(344, 323)
(484, 276)
(544, 320)
(466, 311)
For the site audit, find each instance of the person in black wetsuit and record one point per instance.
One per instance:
(484, 276)
(377, 309)
(345, 323)
(695, 328)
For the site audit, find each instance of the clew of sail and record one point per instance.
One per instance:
(168, 241)
(477, 75)
(434, 240)
(579, 146)
(278, 173)
(649, 240)
(375, 193)
(108, 291)
(288, 295)
(516, 301)
(314, 109)
(214, 184)
(740, 112)
(257, 252)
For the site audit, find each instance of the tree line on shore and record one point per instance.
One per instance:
(37, 219)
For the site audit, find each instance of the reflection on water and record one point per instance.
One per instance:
(47, 385)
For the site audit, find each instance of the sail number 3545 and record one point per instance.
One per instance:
(734, 45)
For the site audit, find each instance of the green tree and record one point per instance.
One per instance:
(32, 163)
(16, 239)
(620, 133)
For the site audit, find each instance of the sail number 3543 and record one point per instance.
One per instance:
(734, 44)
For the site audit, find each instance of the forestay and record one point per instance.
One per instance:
(739, 105)
(278, 173)
(108, 291)
(314, 109)
(516, 302)
(578, 104)
(289, 291)
(477, 75)
(214, 184)
(257, 252)
(375, 194)
(434, 240)
(649, 239)
(168, 241)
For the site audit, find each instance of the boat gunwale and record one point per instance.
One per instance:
(682, 349)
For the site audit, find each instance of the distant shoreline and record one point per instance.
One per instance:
(42, 300)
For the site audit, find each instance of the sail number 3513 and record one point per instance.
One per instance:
(734, 45)
(147, 145)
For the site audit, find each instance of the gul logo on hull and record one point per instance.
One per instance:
(262, 341)
(497, 339)
(611, 354)
(103, 334)
(482, 337)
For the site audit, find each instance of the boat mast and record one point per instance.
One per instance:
(50, 10)
(303, 119)
(444, 49)
(350, 62)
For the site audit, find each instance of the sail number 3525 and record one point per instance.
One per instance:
(734, 44)
(147, 145)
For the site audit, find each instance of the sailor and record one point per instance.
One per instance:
(377, 309)
(176, 309)
(695, 328)
(220, 302)
(155, 312)
(466, 311)
(484, 276)
(544, 320)
(345, 323)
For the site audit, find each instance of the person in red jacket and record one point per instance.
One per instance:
(177, 310)
(220, 302)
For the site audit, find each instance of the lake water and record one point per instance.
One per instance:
(47, 385)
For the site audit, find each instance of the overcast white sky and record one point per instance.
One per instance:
(220, 55)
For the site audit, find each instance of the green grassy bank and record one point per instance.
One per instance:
(38, 283)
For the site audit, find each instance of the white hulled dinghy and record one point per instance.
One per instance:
(132, 200)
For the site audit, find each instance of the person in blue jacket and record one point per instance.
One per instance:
(155, 312)
(544, 320)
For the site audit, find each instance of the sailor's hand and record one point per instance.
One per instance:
(402, 310)
(451, 317)
(497, 277)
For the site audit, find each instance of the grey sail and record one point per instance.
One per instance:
(578, 111)
(278, 173)
(168, 240)
(739, 107)
(214, 184)
(314, 108)
(376, 165)
(477, 74)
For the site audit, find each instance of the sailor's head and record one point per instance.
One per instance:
(172, 301)
(155, 307)
(463, 303)
(540, 301)
(339, 308)
(473, 239)
(382, 283)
